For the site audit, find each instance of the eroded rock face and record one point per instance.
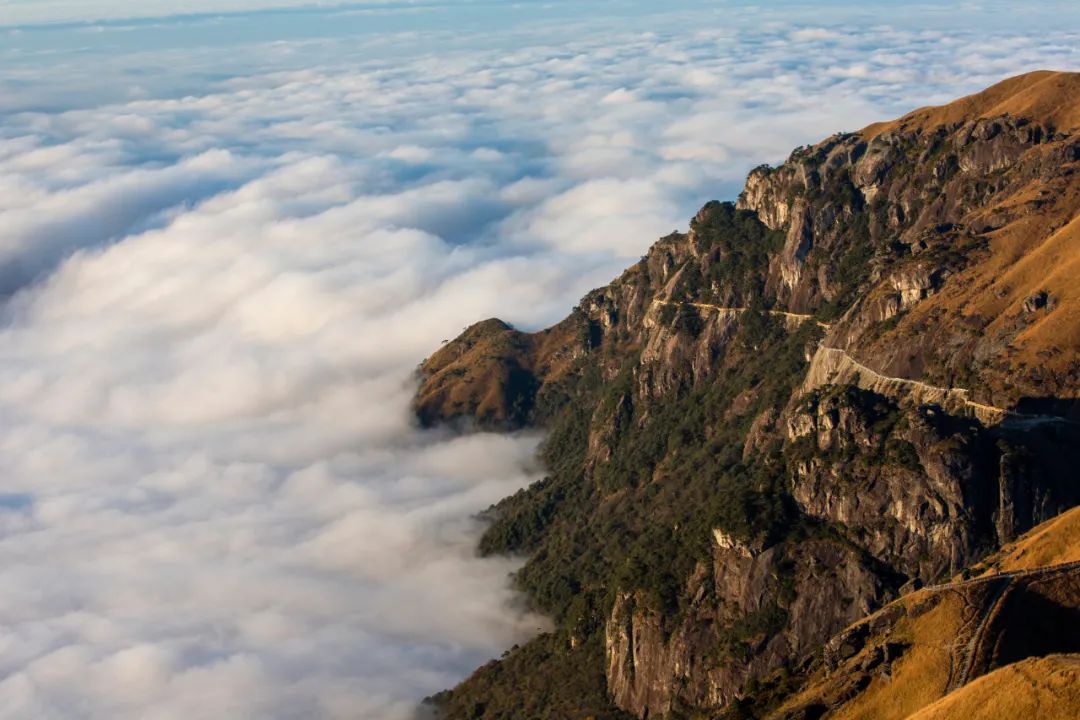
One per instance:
(899, 214)
(753, 611)
(923, 491)
(909, 485)
(1038, 301)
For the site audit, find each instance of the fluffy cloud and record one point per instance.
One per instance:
(215, 502)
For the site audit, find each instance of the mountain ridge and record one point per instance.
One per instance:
(1045, 95)
(726, 491)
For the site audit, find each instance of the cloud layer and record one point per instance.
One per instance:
(215, 502)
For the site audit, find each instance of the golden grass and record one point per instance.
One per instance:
(919, 679)
(1044, 95)
(469, 376)
(1054, 266)
(1045, 688)
(921, 675)
(1052, 543)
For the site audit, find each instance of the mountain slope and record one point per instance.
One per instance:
(1043, 95)
(982, 211)
(1045, 688)
(1055, 542)
(865, 373)
(931, 644)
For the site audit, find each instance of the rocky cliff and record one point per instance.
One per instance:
(864, 374)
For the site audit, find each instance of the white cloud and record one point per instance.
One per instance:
(215, 502)
(618, 97)
(812, 34)
(598, 215)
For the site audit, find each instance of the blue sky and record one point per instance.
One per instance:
(226, 240)
(22, 12)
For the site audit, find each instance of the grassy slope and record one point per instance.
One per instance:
(1045, 94)
(1054, 542)
(1045, 688)
(917, 682)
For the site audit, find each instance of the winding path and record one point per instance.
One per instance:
(841, 361)
(962, 657)
(988, 414)
(739, 310)
(1010, 575)
(982, 618)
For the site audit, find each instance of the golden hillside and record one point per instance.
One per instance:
(1054, 542)
(489, 374)
(1045, 688)
(944, 651)
(1044, 95)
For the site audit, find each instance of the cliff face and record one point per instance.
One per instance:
(863, 374)
(938, 249)
(918, 502)
(772, 608)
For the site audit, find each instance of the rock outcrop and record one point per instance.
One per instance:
(754, 611)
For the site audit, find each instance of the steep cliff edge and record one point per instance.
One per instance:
(863, 374)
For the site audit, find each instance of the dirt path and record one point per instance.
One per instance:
(1012, 575)
(739, 310)
(970, 638)
(982, 411)
(986, 413)
(986, 614)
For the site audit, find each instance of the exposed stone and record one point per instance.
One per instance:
(1037, 301)
(652, 667)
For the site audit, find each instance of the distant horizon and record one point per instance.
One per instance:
(27, 14)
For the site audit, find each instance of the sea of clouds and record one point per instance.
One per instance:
(214, 500)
